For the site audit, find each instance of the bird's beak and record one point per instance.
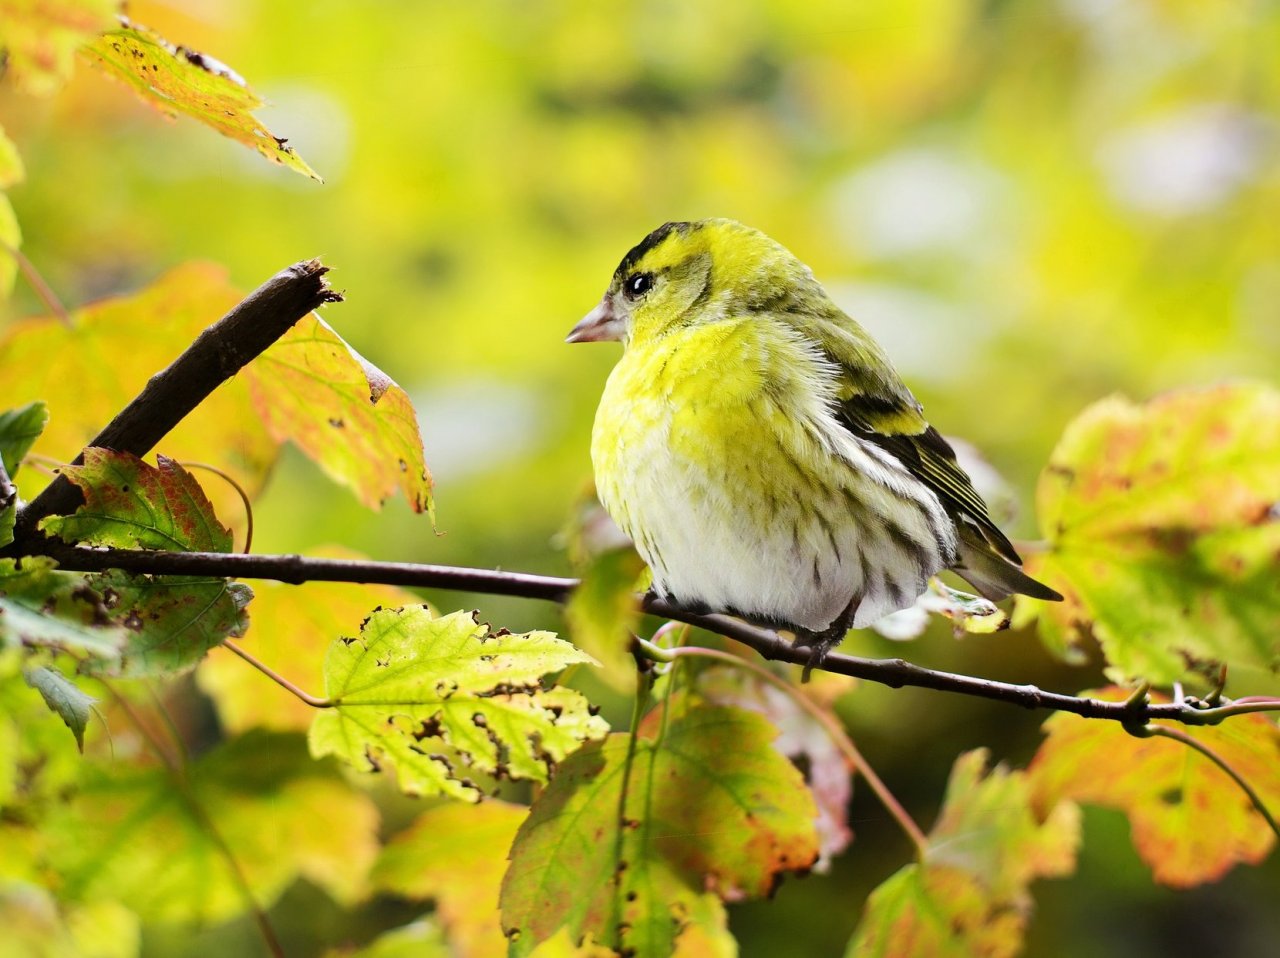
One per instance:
(599, 325)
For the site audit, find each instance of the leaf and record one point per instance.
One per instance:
(1164, 530)
(12, 171)
(1190, 822)
(170, 622)
(176, 79)
(422, 939)
(290, 629)
(19, 429)
(10, 236)
(969, 895)
(137, 836)
(132, 505)
(604, 610)
(425, 861)
(803, 740)
(42, 607)
(345, 414)
(39, 38)
(110, 351)
(436, 697)
(64, 698)
(710, 805)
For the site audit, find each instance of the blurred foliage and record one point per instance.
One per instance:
(1032, 205)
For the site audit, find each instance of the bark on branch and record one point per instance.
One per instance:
(892, 672)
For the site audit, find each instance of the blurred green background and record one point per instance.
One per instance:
(1031, 204)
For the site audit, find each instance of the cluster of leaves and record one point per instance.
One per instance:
(1161, 527)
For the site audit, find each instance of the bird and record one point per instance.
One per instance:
(763, 455)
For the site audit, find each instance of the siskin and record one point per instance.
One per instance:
(761, 452)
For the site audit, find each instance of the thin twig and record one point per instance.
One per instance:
(274, 676)
(895, 673)
(42, 289)
(1180, 736)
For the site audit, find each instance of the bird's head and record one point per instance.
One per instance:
(683, 274)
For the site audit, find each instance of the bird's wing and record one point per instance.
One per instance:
(877, 407)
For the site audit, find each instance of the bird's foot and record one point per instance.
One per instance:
(819, 645)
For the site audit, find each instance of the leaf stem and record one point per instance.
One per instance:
(244, 497)
(42, 289)
(274, 676)
(1180, 736)
(842, 741)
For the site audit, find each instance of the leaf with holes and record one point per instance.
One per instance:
(439, 699)
(132, 505)
(44, 608)
(425, 860)
(969, 896)
(708, 805)
(161, 846)
(1190, 822)
(176, 79)
(344, 413)
(1163, 523)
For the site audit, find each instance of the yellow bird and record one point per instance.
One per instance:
(761, 452)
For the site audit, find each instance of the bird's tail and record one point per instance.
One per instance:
(994, 576)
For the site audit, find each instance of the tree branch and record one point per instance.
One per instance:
(895, 673)
(217, 354)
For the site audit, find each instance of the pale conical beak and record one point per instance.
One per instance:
(599, 325)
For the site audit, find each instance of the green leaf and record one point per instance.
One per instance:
(10, 236)
(1190, 822)
(436, 697)
(64, 699)
(19, 429)
(422, 939)
(969, 896)
(604, 610)
(177, 80)
(1163, 527)
(132, 505)
(39, 40)
(169, 622)
(40, 606)
(709, 804)
(344, 413)
(11, 168)
(425, 860)
(156, 843)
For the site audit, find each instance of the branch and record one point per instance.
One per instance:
(895, 673)
(217, 354)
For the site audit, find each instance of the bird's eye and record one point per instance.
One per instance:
(638, 285)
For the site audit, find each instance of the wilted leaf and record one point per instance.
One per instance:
(175, 80)
(110, 351)
(347, 415)
(1164, 529)
(969, 896)
(64, 699)
(40, 606)
(438, 697)
(1190, 822)
(709, 805)
(39, 38)
(802, 739)
(290, 629)
(426, 860)
(19, 429)
(134, 835)
(132, 505)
